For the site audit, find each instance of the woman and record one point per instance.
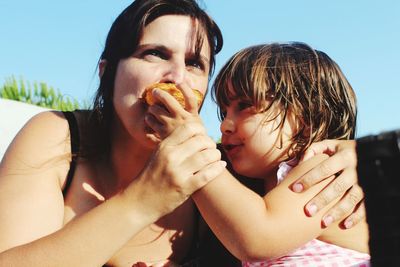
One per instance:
(103, 190)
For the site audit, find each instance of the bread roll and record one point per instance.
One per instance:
(172, 90)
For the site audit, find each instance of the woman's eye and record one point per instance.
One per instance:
(154, 53)
(195, 64)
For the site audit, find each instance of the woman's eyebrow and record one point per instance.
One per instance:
(205, 59)
(165, 49)
(152, 45)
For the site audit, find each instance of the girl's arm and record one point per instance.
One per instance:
(32, 206)
(254, 227)
(250, 226)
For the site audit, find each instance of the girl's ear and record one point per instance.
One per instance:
(102, 67)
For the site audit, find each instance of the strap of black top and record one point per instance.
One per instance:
(75, 141)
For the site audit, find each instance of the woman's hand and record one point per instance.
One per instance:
(186, 158)
(343, 163)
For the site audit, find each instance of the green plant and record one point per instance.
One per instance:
(39, 94)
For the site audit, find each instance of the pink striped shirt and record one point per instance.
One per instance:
(317, 253)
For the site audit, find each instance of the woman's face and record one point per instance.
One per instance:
(165, 53)
(253, 144)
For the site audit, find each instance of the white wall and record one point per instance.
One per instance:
(13, 115)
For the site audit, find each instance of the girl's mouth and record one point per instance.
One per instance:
(231, 149)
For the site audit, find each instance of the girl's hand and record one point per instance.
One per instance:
(343, 163)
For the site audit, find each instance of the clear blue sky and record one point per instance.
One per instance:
(59, 42)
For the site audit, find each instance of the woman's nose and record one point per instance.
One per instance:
(175, 73)
(227, 126)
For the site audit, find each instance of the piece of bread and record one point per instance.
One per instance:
(172, 90)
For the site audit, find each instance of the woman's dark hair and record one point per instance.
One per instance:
(122, 41)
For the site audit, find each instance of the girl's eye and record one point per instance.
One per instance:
(222, 113)
(244, 105)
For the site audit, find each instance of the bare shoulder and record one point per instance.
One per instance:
(31, 173)
(42, 143)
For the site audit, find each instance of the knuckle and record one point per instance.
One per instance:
(338, 211)
(212, 155)
(349, 156)
(361, 212)
(325, 169)
(209, 142)
(339, 186)
(206, 141)
(218, 153)
(205, 177)
(308, 180)
(358, 191)
(204, 157)
(353, 198)
(322, 199)
(210, 173)
(200, 141)
(355, 217)
(358, 214)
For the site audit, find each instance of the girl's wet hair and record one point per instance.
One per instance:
(300, 81)
(122, 41)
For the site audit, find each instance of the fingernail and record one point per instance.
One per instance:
(297, 187)
(312, 209)
(327, 220)
(348, 223)
(223, 163)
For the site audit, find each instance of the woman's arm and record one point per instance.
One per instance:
(32, 207)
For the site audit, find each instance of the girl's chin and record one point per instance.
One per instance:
(244, 171)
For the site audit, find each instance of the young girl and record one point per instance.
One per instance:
(275, 100)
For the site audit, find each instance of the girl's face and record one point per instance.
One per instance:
(252, 142)
(165, 53)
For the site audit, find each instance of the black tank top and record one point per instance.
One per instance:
(75, 142)
(192, 259)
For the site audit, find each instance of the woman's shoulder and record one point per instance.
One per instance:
(43, 142)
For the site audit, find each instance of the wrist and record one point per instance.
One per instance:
(133, 208)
